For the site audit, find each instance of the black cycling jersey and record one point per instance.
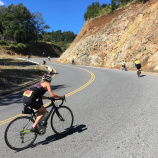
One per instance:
(38, 90)
(30, 96)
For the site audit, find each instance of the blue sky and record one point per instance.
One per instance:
(64, 15)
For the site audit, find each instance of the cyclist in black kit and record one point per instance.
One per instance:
(36, 92)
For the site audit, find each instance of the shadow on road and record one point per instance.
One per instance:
(142, 75)
(55, 137)
(13, 62)
(9, 100)
(54, 87)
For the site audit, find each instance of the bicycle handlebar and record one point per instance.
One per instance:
(54, 99)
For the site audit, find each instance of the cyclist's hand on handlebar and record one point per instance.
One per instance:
(50, 98)
(62, 97)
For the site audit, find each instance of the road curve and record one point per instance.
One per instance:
(115, 115)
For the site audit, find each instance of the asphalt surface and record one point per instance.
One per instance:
(115, 112)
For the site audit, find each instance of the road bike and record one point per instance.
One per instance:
(138, 72)
(18, 134)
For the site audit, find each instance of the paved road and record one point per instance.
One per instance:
(116, 115)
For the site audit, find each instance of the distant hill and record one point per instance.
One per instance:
(35, 49)
(126, 34)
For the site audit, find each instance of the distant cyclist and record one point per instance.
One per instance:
(49, 58)
(36, 92)
(123, 65)
(137, 64)
(73, 61)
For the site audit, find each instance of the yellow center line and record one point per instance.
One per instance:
(67, 95)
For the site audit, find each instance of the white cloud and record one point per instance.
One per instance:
(1, 3)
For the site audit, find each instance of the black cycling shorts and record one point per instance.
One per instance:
(138, 66)
(32, 103)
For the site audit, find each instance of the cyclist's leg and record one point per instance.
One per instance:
(41, 112)
(125, 68)
(140, 67)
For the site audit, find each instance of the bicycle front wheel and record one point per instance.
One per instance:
(62, 120)
(18, 135)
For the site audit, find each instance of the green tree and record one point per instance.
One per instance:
(2, 9)
(39, 23)
(17, 23)
(92, 11)
(104, 5)
(113, 5)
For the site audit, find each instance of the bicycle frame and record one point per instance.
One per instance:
(54, 107)
(50, 112)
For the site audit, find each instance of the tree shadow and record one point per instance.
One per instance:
(12, 62)
(11, 99)
(55, 87)
(52, 73)
(55, 137)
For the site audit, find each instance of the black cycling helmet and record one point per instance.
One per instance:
(47, 77)
(135, 59)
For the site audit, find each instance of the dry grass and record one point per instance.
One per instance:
(14, 72)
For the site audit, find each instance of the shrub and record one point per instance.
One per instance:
(13, 47)
(4, 43)
(20, 46)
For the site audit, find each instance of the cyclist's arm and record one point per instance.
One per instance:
(44, 97)
(52, 94)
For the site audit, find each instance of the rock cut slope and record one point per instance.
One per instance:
(126, 34)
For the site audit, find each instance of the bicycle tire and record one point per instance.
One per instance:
(62, 120)
(20, 140)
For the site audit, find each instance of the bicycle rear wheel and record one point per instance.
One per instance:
(62, 120)
(18, 135)
(138, 73)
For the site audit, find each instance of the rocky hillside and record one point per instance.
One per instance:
(128, 33)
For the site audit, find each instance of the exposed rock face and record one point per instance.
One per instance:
(127, 34)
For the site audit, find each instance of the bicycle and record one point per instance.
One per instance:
(138, 72)
(61, 122)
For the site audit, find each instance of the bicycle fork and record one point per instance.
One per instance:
(60, 117)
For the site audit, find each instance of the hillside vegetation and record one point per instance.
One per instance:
(34, 49)
(125, 34)
(95, 9)
(20, 30)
